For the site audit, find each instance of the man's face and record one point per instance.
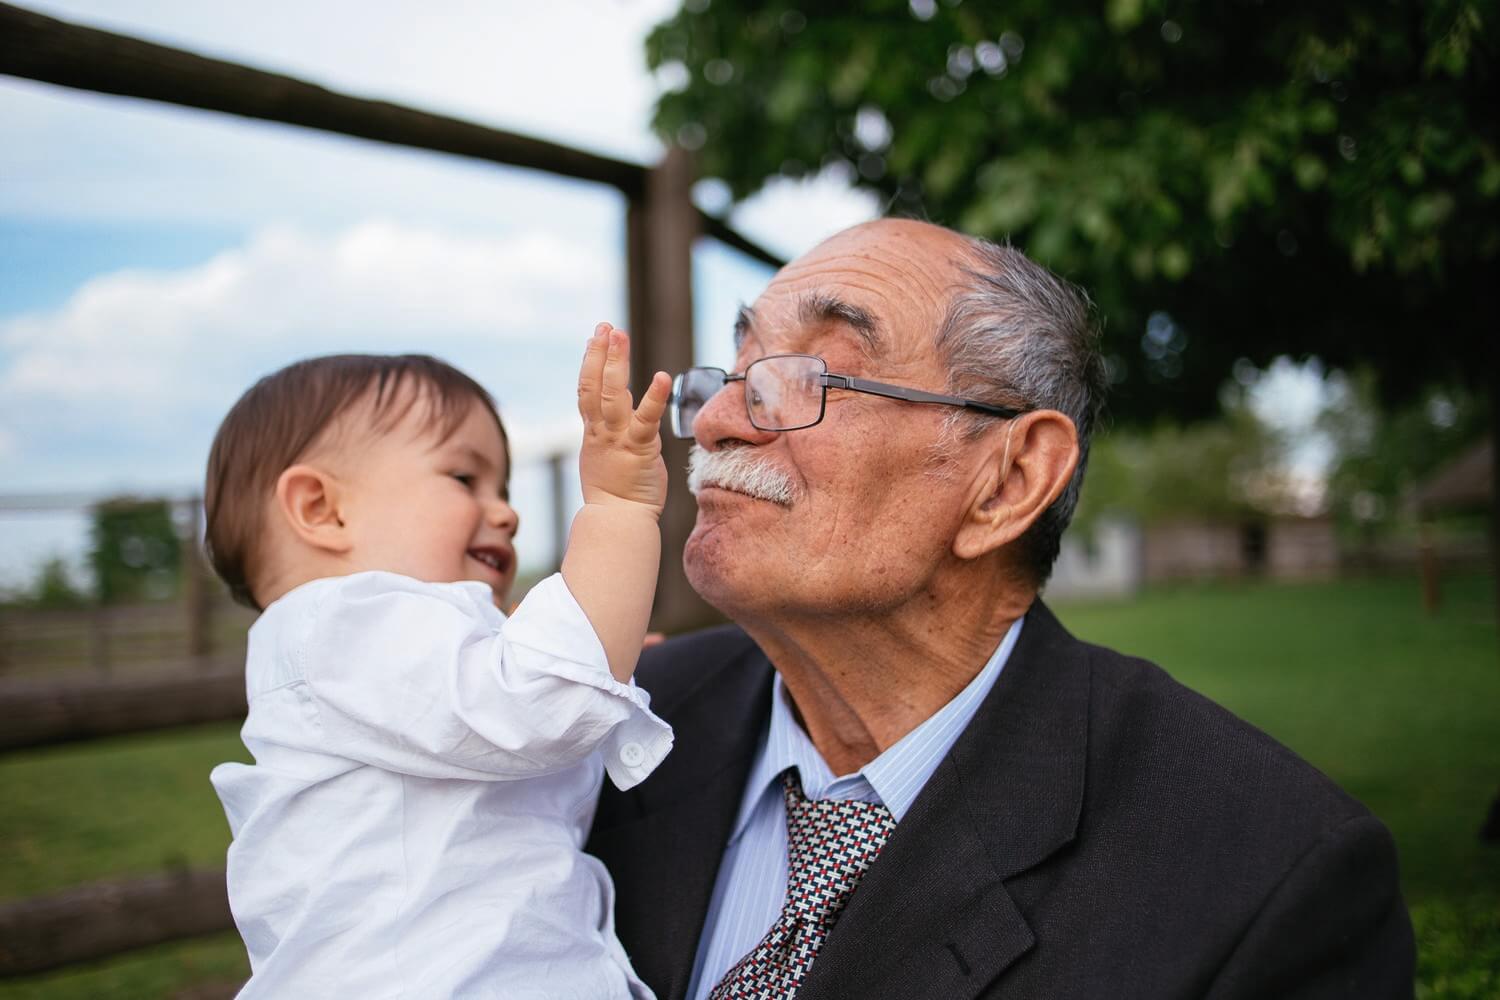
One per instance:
(870, 519)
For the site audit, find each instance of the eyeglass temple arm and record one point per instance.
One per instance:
(913, 395)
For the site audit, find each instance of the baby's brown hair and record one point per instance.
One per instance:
(284, 414)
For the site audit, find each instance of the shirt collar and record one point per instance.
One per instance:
(896, 777)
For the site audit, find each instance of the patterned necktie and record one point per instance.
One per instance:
(830, 844)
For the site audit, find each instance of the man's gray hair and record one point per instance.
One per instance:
(1021, 337)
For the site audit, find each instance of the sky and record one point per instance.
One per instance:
(155, 261)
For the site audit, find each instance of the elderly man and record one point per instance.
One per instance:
(897, 775)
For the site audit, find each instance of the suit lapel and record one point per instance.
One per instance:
(664, 840)
(934, 910)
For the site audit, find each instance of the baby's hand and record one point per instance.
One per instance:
(621, 455)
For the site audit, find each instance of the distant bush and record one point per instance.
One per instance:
(136, 553)
(54, 588)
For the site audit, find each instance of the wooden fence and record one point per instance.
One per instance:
(95, 921)
(120, 639)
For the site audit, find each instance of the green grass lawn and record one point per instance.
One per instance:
(1401, 709)
(125, 806)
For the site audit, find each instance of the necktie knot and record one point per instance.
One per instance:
(830, 843)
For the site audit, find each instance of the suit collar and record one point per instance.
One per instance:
(1021, 763)
(1007, 796)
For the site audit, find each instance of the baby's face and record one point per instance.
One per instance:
(434, 510)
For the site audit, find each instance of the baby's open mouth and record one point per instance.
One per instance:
(496, 559)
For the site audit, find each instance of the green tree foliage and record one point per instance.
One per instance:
(135, 553)
(1229, 469)
(54, 587)
(1382, 454)
(1272, 178)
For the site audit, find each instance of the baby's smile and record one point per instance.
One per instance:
(496, 559)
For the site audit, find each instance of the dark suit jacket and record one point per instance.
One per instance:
(1097, 831)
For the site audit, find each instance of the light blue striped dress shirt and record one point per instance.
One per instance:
(751, 885)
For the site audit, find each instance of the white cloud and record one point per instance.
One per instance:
(132, 354)
(790, 217)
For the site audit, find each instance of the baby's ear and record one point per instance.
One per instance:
(307, 499)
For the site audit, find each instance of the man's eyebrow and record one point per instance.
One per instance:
(821, 307)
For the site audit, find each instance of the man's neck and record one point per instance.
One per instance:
(860, 684)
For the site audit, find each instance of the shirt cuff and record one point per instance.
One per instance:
(634, 748)
(637, 743)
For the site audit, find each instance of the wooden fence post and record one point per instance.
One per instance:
(195, 587)
(661, 227)
(99, 637)
(557, 480)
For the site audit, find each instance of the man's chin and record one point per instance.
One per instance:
(720, 560)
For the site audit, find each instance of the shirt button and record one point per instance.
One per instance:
(632, 754)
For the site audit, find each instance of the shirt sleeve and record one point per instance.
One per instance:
(430, 680)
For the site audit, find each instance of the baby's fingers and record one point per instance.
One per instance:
(614, 396)
(647, 421)
(591, 375)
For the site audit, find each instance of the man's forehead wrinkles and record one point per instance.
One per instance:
(876, 289)
(903, 270)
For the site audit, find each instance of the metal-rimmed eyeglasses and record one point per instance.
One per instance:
(788, 392)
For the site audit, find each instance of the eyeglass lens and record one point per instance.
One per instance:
(690, 391)
(782, 392)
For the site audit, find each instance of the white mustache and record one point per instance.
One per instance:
(740, 470)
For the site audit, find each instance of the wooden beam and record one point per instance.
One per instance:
(46, 49)
(37, 713)
(70, 55)
(105, 918)
(719, 229)
(660, 230)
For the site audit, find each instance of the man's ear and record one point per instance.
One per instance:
(308, 500)
(1021, 473)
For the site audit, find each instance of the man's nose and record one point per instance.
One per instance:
(724, 420)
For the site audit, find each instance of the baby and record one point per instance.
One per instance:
(426, 767)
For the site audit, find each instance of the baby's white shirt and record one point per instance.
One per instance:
(426, 771)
